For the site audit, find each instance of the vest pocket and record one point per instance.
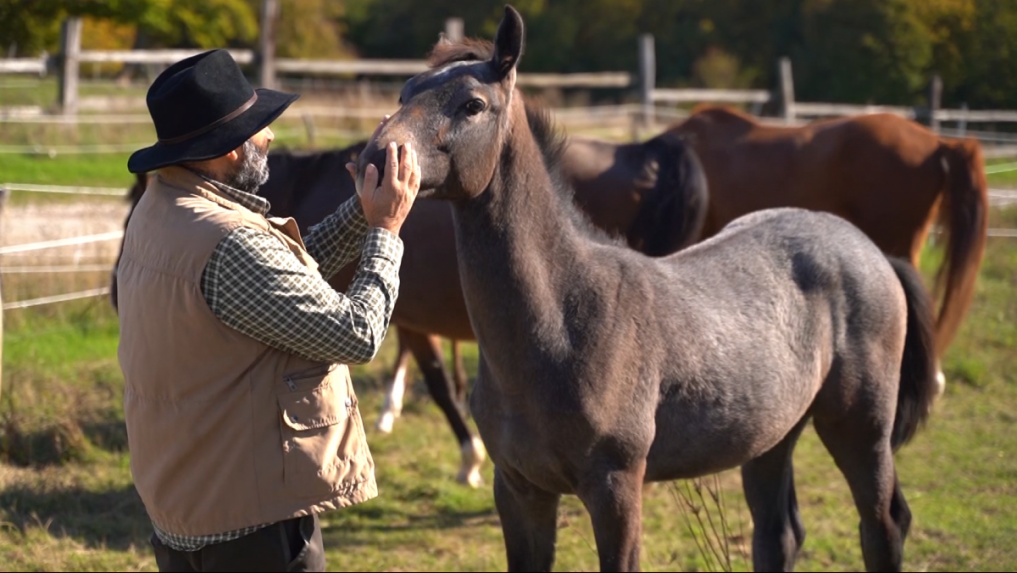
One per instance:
(316, 431)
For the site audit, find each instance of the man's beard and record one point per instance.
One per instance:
(252, 172)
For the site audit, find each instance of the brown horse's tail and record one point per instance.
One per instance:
(672, 214)
(964, 213)
(917, 389)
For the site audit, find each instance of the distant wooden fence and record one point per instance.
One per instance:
(780, 101)
(790, 109)
(72, 56)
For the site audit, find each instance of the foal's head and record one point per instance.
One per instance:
(457, 113)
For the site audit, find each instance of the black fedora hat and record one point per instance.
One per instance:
(203, 108)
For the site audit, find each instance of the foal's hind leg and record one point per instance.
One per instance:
(529, 521)
(427, 350)
(865, 458)
(768, 482)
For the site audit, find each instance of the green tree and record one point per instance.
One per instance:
(34, 25)
(28, 27)
(875, 51)
(986, 74)
(311, 29)
(198, 23)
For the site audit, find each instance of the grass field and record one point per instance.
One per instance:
(67, 503)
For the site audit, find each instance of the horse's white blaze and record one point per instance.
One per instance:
(449, 67)
(393, 405)
(473, 454)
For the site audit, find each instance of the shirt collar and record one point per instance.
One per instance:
(249, 201)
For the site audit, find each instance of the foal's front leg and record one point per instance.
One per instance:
(529, 521)
(614, 499)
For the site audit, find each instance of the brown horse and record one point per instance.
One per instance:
(660, 211)
(602, 369)
(889, 176)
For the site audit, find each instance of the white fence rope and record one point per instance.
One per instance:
(54, 150)
(61, 243)
(56, 269)
(1009, 233)
(56, 298)
(66, 189)
(1001, 168)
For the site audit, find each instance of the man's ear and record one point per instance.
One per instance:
(508, 42)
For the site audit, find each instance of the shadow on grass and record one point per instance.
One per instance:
(113, 519)
(391, 526)
(63, 443)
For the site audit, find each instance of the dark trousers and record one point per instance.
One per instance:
(291, 545)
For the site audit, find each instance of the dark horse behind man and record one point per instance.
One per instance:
(602, 368)
(658, 211)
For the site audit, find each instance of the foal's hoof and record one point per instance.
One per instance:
(473, 454)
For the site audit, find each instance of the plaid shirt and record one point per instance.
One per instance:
(254, 284)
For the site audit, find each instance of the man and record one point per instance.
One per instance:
(241, 418)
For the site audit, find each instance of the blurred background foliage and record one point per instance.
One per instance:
(890, 47)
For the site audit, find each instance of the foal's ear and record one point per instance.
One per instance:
(508, 41)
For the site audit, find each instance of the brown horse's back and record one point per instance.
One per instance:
(887, 175)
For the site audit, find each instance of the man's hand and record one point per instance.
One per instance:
(388, 205)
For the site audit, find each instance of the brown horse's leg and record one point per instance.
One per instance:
(427, 350)
(529, 519)
(866, 460)
(393, 404)
(768, 482)
(615, 502)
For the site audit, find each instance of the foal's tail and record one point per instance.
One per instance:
(964, 210)
(918, 368)
(673, 213)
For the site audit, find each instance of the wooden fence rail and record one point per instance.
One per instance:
(24, 65)
(707, 95)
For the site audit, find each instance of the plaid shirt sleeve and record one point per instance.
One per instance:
(338, 238)
(254, 284)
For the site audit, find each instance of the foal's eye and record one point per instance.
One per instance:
(475, 106)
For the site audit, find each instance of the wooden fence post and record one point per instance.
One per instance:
(962, 123)
(70, 48)
(647, 77)
(454, 29)
(787, 90)
(935, 101)
(266, 55)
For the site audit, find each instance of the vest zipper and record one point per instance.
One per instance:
(291, 379)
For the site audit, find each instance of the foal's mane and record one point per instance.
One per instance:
(551, 140)
(465, 50)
